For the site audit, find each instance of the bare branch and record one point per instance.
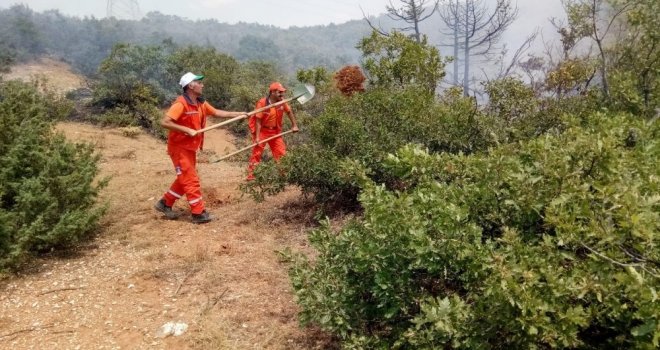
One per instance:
(603, 256)
(521, 50)
(411, 12)
(378, 29)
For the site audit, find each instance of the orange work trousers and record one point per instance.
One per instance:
(187, 180)
(277, 148)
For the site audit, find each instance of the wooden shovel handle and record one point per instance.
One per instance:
(258, 110)
(252, 145)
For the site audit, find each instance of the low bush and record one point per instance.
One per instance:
(47, 185)
(548, 243)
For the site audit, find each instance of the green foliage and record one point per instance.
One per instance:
(367, 127)
(627, 37)
(550, 243)
(132, 74)
(570, 75)
(149, 116)
(119, 116)
(47, 187)
(255, 48)
(267, 176)
(457, 124)
(135, 81)
(250, 84)
(317, 76)
(397, 61)
(219, 71)
(516, 112)
(321, 79)
(7, 57)
(85, 42)
(20, 38)
(634, 78)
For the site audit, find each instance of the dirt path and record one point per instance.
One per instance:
(222, 279)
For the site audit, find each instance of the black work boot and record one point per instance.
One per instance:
(167, 211)
(201, 218)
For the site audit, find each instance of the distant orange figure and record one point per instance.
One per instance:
(187, 115)
(269, 123)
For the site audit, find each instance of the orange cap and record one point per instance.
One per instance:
(276, 86)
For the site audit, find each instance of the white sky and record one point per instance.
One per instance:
(281, 13)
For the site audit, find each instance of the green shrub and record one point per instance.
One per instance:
(220, 72)
(397, 61)
(118, 116)
(7, 57)
(47, 187)
(133, 74)
(549, 243)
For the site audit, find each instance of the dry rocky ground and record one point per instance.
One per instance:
(223, 279)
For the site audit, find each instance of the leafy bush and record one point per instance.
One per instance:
(133, 74)
(47, 188)
(118, 116)
(398, 61)
(550, 243)
(7, 57)
(219, 70)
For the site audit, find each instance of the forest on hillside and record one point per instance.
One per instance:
(84, 42)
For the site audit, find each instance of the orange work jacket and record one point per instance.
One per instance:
(270, 119)
(193, 115)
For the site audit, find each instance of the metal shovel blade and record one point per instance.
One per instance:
(305, 92)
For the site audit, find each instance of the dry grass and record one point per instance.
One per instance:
(130, 131)
(58, 76)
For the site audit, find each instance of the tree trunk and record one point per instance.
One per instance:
(466, 59)
(455, 26)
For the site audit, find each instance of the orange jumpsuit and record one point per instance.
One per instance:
(183, 148)
(271, 125)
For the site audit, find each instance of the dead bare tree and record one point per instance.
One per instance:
(412, 12)
(476, 30)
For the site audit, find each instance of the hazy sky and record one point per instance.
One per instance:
(281, 13)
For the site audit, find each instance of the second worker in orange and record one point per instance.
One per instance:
(268, 124)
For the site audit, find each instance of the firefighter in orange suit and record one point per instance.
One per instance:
(269, 123)
(187, 115)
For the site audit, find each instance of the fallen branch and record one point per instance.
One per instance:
(211, 302)
(59, 290)
(25, 330)
(185, 277)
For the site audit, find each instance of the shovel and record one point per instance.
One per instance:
(250, 146)
(302, 93)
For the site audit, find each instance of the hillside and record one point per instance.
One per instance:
(222, 279)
